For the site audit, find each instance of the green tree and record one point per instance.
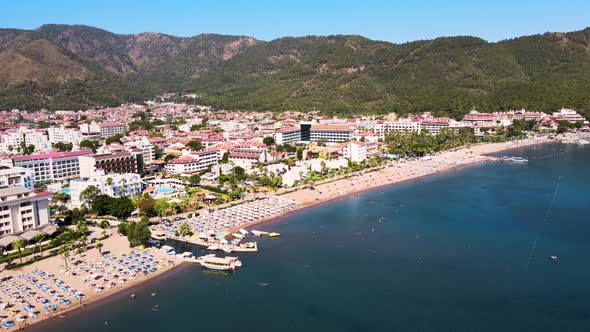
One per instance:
(65, 250)
(104, 224)
(184, 229)
(146, 207)
(268, 141)
(225, 157)
(89, 144)
(195, 145)
(138, 233)
(38, 238)
(121, 207)
(63, 147)
(88, 195)
(161, 207)
(114, 138)
(239, 173)
(99, 246)
(19, 245)
(194, 179)
(169, 157)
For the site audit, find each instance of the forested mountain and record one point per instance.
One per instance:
(61, 66)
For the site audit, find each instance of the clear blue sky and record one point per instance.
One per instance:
(392, 20)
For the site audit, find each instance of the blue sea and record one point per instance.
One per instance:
(464, 250)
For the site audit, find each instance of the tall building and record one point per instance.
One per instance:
(53, 166)
(21, 208)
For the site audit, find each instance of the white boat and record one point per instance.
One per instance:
(238, 235)
(213, 248)
(227, 249)
(259, 233)
(168, 250)
(220, 263)
(243, 231)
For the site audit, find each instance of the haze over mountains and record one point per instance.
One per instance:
(72, 67)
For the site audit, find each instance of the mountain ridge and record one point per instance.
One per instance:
(64, 66)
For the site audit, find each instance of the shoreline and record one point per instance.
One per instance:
(489, 148)
(118, 245)
(106, 298)
(406, 172)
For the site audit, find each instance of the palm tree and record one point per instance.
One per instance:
(38, 238)
(18, 245)
(82, 240)
(109, 181)
(64, 250)
(99, 246)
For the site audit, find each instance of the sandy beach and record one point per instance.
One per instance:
(50, 280)
(398, 172)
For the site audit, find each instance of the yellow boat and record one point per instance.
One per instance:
(274, 234)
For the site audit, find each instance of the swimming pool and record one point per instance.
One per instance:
(165, 190)
(65, 191)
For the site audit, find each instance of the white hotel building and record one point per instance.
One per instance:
(11, 141)
(53, 166)
(113, 185)
(189, 163)
(65, 135)
(331, 133)
(21, 208)
(106, 129)
(287, 135)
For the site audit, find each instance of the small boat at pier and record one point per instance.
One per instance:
(259, 233)
(213, 262)
(244, 232)
(273, 234)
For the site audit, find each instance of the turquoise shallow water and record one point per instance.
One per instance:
(467, 250)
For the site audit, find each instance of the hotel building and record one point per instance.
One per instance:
(21, 208)
(113, 185)
(12, 141)
(568, 115)
(287, 135)
(194, 162)
(65, 135)
(117, 162)
(331, 133)
(53, 166)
